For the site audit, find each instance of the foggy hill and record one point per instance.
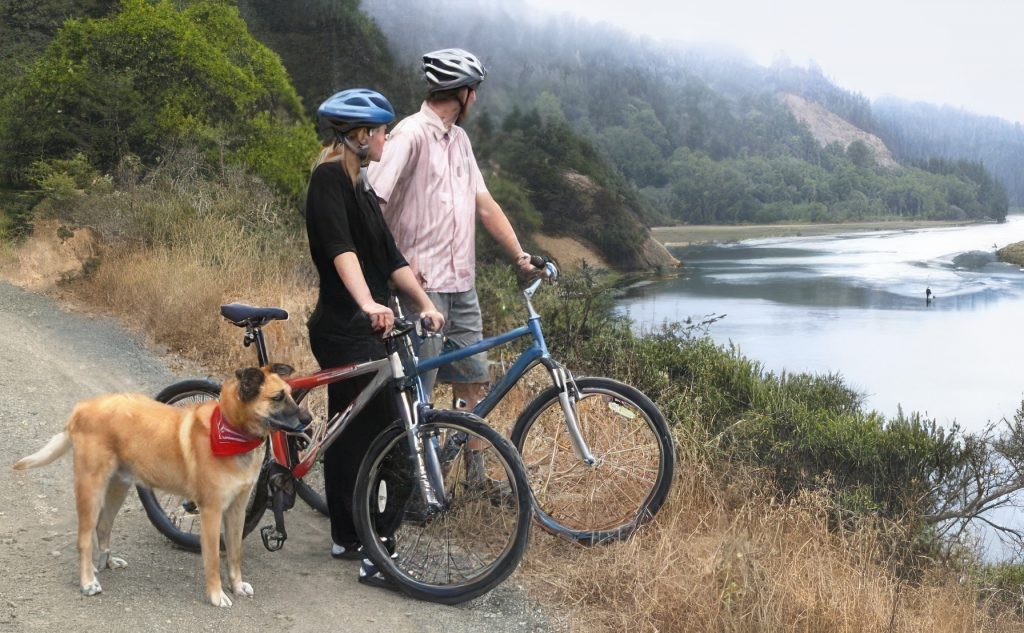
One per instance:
(700, 132)
(918, 131)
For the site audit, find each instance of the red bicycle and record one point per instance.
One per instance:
(460, 516)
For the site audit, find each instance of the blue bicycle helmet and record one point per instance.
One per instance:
(357, 107)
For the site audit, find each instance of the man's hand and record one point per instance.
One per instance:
(434, 319)
(381, 317)
(525, 266)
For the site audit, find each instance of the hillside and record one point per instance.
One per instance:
(919, 131)
(827, 128)
(700, 136)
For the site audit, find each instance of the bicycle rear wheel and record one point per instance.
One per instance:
(174, 516)
(468, 543)
(630, 439)
(177, 517)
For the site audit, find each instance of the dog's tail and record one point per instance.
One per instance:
(57, 446)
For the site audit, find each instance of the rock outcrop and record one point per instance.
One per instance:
(827, 128)
(1012, 253)
(54, 253)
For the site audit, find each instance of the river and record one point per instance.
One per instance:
(855, 304)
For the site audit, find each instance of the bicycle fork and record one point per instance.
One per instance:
(426, 461)
(568, 396)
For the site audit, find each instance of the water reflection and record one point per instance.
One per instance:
(856, 304)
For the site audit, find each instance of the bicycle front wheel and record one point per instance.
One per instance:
(630, 440)
(466, 540)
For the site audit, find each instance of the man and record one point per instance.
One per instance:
(431, 193)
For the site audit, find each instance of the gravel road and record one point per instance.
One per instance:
(51, 358)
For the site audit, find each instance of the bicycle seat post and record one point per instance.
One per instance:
(254, 334)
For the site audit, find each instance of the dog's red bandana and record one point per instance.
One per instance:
(227, 440)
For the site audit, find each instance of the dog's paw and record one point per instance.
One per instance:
(220, 599)
(116, 563)
(242, 588)
(111, 562)
(91, 589)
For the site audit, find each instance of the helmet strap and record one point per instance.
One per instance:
(463, 101)
(361, 151)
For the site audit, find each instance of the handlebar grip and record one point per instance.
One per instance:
(537, 261)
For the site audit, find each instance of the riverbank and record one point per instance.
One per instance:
(707, 233)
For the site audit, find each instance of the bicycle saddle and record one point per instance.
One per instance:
(241, 315)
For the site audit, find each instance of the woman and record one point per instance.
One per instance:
(355, 256)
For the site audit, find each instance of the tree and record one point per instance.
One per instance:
(153, 73)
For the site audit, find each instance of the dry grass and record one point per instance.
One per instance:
(175, 298)
(722, 556)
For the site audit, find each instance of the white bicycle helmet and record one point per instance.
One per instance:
(451, 68)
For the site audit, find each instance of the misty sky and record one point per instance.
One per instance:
(963, 53)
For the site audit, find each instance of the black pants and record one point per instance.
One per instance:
(343, 458)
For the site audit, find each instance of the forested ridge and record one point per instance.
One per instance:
(700, 133)
(582, 130)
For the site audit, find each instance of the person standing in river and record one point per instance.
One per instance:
(431, 192)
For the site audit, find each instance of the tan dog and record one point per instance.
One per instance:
(122, 437)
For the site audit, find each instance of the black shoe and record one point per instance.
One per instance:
(347, 551)
(370, 575)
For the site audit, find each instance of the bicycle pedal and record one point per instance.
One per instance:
(272, 539)
(190, 507)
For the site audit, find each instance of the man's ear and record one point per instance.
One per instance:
(282, 370)
(250, 380)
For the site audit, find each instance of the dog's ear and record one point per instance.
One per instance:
(250, 380)
(282, 370)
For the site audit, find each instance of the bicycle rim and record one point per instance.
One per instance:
(464, 549)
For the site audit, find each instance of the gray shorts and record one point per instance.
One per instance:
(463, 326)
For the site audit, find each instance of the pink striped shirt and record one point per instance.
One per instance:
(427, 181)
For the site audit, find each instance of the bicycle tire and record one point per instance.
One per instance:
(168, 512)
(485, 523)
(625, 431)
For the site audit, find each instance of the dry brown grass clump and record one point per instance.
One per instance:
(722, 556)
(176, 299)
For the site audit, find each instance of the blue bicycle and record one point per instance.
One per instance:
(598, 453)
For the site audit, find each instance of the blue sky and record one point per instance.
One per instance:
(965, 54)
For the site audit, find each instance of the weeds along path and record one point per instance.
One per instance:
(50, 359)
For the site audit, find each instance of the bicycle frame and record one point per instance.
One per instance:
(386, 371)
(537, 352)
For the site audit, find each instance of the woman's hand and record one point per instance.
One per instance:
(434, 319)
(381, 317)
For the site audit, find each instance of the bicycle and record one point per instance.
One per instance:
(598, 453)
(460, 518)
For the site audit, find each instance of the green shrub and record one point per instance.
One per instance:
(809, 431)
(151, 74)
(60, 179)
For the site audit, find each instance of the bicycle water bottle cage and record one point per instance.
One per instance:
(243, 315)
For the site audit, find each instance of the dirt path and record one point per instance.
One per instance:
(49, 359)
